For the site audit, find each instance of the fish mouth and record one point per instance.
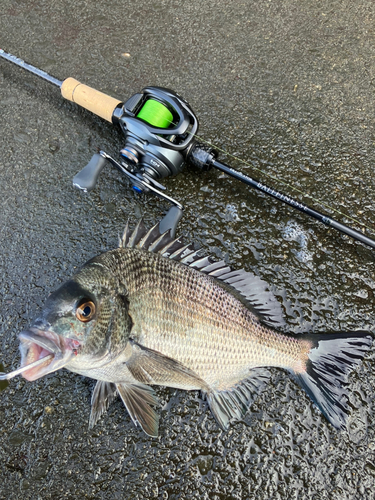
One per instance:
(38, 344)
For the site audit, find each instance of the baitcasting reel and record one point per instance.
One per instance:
(159, 128)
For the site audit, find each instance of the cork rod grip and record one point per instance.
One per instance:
(98, 103)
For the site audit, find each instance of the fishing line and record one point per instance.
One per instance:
(156, 114)
(153, 150)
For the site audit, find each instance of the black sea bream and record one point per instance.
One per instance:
(153, 312)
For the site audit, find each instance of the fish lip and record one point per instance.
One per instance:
(48, 340)
(36, 344)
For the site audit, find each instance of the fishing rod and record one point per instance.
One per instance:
(160, 138)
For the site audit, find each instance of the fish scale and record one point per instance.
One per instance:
(179, 311)
(156, 312)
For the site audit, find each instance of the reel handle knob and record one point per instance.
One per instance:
(170, 220)
(86, 179)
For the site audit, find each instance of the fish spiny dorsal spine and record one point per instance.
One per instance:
(254, 291)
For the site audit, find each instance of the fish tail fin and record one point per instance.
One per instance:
(329, 361)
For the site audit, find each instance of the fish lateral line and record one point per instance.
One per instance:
(161, 335)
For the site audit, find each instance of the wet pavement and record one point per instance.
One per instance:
(289, 88)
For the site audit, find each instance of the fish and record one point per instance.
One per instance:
(155, 312)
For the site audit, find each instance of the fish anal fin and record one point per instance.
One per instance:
(103, 395)
(137, 399)
(232, 403)
(151, 367)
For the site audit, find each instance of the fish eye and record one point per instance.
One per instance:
(85, 310)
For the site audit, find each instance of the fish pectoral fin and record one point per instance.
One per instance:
(103, 395)
(152, 367)
(232, 403)
(137, 399)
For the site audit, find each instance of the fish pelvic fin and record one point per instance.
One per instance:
(232, 404)
(330, 360)
(137, 399)
(103, 395)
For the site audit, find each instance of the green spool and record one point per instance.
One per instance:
(156, 114)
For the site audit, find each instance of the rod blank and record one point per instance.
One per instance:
(71, 89)
(325, 219)
(29, 67)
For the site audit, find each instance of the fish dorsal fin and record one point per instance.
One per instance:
(137, 399)
(103, 395)
(137, 234)
(252, 290)
(149, 238)
(123, 240)
(249, 288)
(255, 292)
(154, 241)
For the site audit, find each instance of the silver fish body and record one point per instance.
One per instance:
(189, 316)
(153, 312)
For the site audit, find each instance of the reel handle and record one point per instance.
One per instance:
(170, 220)
(86, 179)
(93, 100)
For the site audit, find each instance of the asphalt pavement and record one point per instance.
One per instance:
(286, 87)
